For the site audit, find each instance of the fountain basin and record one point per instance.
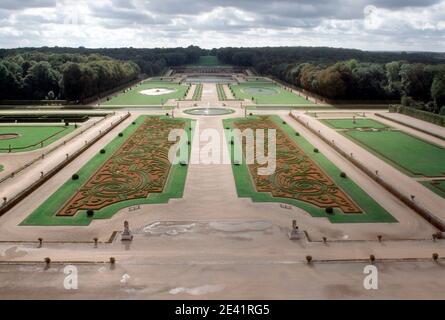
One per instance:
(209, 111)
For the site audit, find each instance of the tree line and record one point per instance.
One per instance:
(418, 85)
(74, 77)
(151, 61)
(418, 79)
(76, 74)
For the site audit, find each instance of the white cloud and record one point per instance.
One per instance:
(364, 24)
(414, 18)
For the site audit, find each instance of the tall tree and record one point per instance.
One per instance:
(71, 84)
(438, 90)
(40, 80)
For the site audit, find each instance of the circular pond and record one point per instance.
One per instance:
(209, 111)
(262, 91)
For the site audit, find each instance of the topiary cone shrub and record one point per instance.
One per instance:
(343, 175)
(309, 259)
(90, 213)
(316, 150)
(329, 210)
(372, 258)
(297, 134)
(103, 151)
(75, 177)
(121, 135)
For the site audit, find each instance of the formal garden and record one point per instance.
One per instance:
(304, 177)
(133, 169)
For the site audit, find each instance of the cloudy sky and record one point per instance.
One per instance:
(364, 24)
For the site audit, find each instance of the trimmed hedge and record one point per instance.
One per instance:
(419, 114)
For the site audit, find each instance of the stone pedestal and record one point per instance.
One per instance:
(126, 235)
(295, 233)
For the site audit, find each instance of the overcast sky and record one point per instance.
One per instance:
(364, 24)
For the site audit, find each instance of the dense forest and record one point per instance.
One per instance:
(150, 61)
(40, 76)
(78, 74)
(415, 78)
(264, 58)
(418, 79)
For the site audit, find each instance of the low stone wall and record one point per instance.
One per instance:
(33, 187)
(411, 126)
(436, 119)
(424, 213)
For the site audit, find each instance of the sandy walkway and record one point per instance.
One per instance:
(191, 92)
(416, 123)
(212, 244)
(228, 93)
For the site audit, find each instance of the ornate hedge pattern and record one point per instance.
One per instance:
(139, 167)
(297, 176)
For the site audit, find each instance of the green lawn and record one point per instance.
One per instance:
(267, 93)
(31, 137)
(351, 124)
(135, 98)
(437, 186)
(410, 154)
(45, 215)
(373, 212)
(207, 61)
(2, 168)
